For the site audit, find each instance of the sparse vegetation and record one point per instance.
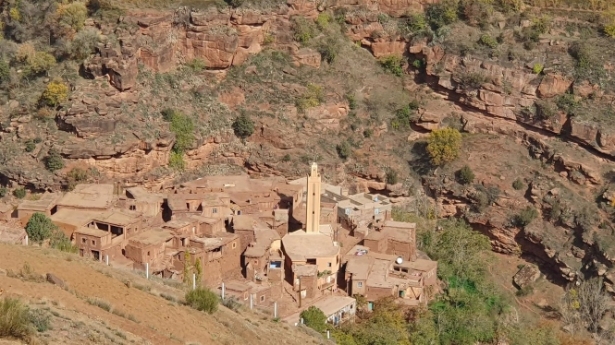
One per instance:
(55, 93)
(518, 184)
(19, 193)
(202, 299)
(313, 96)
(343, 150)
(54, 160)
(393, 64)
(15, 319)
(525, 217)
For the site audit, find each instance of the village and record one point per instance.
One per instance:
(260, 241)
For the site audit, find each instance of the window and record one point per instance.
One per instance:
(147, 253)
(84, 240)
(347, 211)
(93, 242)
(359, 284)
(262, 298)
(214, 210)
(133, 207)
(376, 211)
(330, 264)
(234, 245)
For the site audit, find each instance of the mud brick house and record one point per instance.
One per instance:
(277, 220)
(46, 204)
(108, 233)
(209, 227)
(337, 309)
(150, 247)
(394, 238)
(245, 226)
(261, 293)
(221, 256)
(266, 246)
(363, 210)
(140, 200)
(205, 205)
(305, 280)
(374, 275)
(184, 228)
(311, 247)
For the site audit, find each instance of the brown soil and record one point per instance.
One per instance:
(158, 321)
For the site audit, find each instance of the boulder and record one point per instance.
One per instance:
(55, 280)
(526, 276)
(553, 85)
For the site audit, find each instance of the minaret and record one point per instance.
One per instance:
(313, 201)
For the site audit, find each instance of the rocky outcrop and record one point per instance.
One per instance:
(527, 275)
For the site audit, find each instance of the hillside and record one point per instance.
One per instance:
(139, 314)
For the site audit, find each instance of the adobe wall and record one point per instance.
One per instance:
(404, 249)
(379, 246)
(376, 293)
(231, 257)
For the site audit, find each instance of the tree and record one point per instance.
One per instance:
(243, 126)
(40, 227)
(73, 15)
(444, 145)
(84, 43)
(19, 193)
(55, 93)
(343, 150)
(54, 161)
(315, 319)
(198, 270)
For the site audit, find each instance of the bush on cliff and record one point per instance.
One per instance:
(243, 126)
(444, 145)
(40, 227)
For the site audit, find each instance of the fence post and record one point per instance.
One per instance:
(107, 260)
(251, 301)
(301, 320)
(147, 270)
(27, 239)
(193, 281)
(223, 291)
(275, 310)
(328, 335)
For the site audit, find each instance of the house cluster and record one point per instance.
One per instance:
(265, 239)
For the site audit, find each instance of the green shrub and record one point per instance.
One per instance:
(392, 64)
(352, 102)
(243, 126)
(472, 80)
(202, 299)
(19, 193)
(609, 30)
(488, 41)
(61, 242)
(176, 161)
(15, 319)
(4, 70)
(38, 63)
(391, 176)
(182, 126)
(545, 110)
(323, 20)
(40, 319)
(444, 145)
(525, 217)
(196, 65)
(40, 227)
(368, 132)
(84, 44)
(315, 319)
(3, 192)
(102, 304)
(328, 50)
(30, 145)
(518, 184)
(465, 175)
(286, 158)
(404, 115)
(54, 161)
(311, 98)
(232, 303)
(416, 23)
(441, 14)
(537, 69)
(343, 150)
(304, 30)
(567, 103)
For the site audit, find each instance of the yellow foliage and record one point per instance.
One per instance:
(444, 145)
(15, 14)
(55, 93)
(25, 52)
(73, 15)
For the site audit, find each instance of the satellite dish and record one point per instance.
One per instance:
(399, 260)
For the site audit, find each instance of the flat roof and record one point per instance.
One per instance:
(142, 194)
(305, 270)
(300, 245)
(92, 232)
(4, 207)
(117, 217)
(74, 217)
(46, 202)
(332, 304)
(152, 237)
(421, 265)
(178, 223)
(98, 196)
(207, 220)
(214, 242)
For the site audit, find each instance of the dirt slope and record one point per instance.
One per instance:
(144, 317)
